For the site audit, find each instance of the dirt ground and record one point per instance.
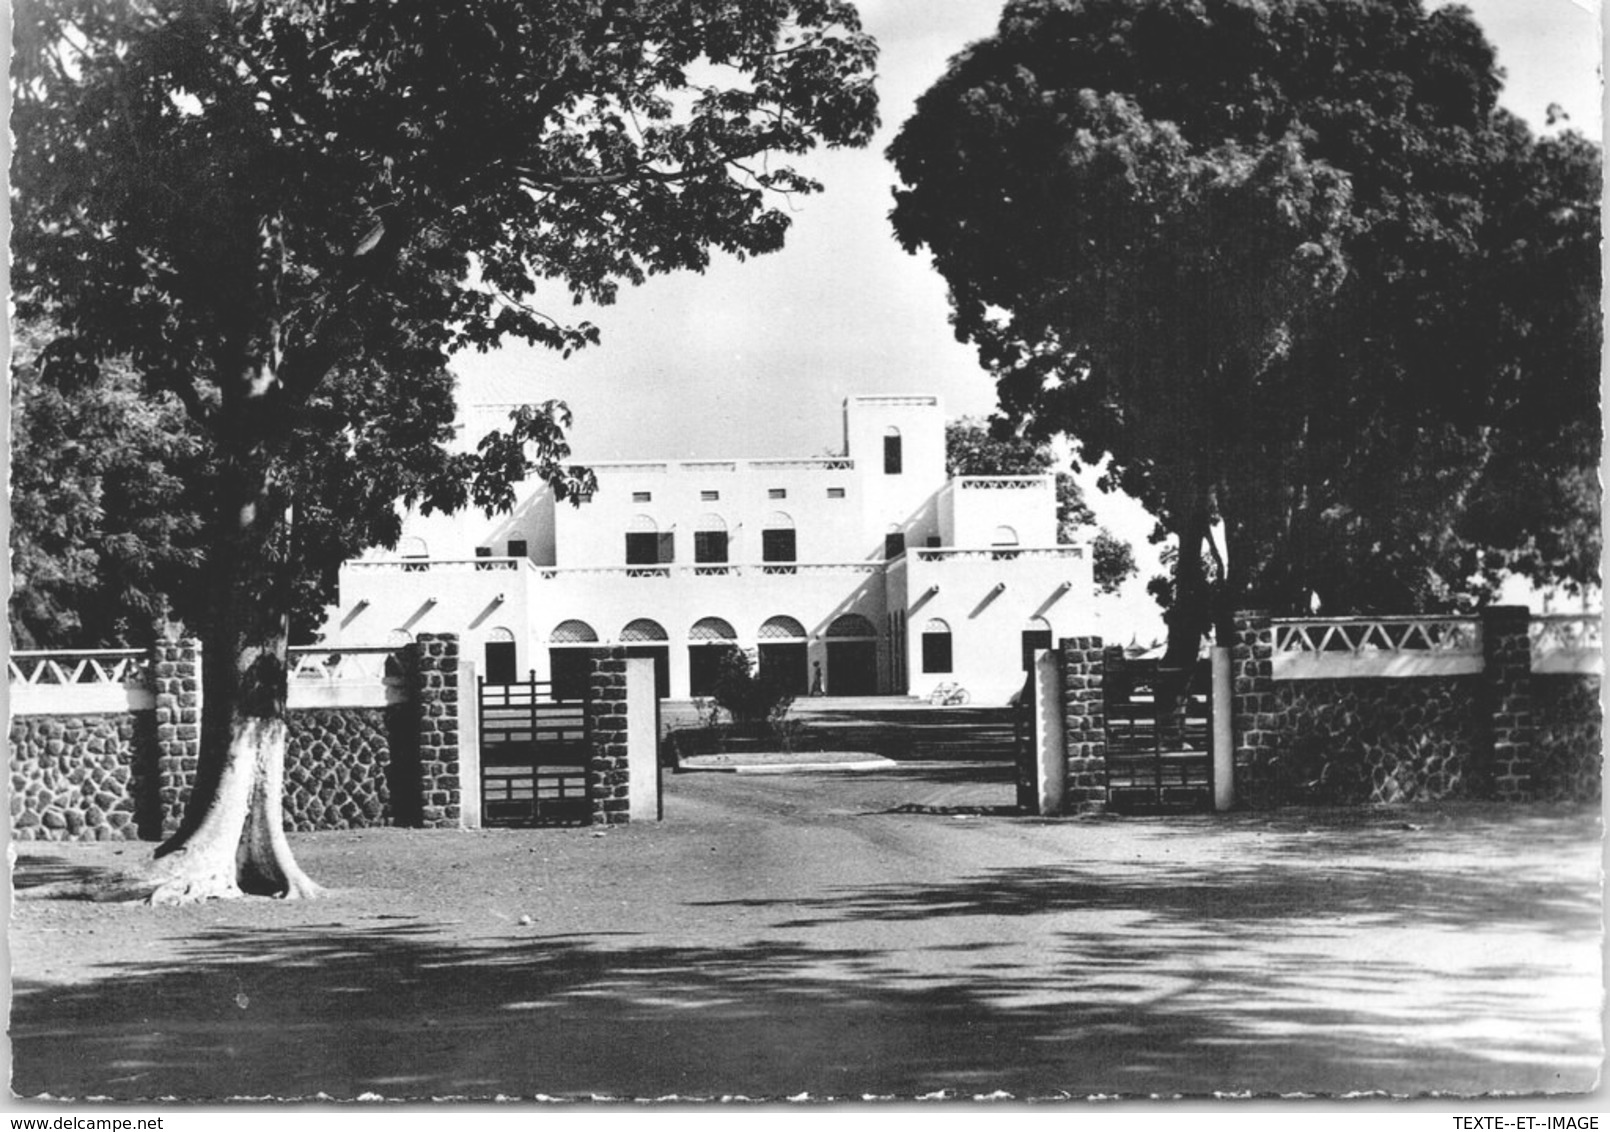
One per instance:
(842, 935)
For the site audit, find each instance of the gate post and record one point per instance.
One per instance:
(469, 746)
(1223, 733)
(441, 780)
(642, 741)
(607, 768)
(1050, 749)
(1084, 712)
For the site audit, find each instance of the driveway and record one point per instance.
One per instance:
(845, 935)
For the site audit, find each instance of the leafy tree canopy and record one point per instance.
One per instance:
(976, 448)
(103, 525)
(1289, 265)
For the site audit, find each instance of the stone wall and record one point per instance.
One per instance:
(1504, 732)
(82, 778)
(129, 774)
(1084, 720)
(1343, 742)
(338, 768)
(1567, 738)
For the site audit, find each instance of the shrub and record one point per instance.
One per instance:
(752, 700)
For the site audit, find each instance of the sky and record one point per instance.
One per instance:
(755, 359)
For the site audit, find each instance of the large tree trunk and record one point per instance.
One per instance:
(232, 840)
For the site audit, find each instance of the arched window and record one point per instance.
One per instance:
(852, 626)
(891, 452)
(412, 547)
(573, 633)
(936, 650)
(710, 540)
(1001, 540)
(710, 629)
(643, 630)
(777, 543)
(781, 628)
(1036, 636)
(642, 542)
(502, 661)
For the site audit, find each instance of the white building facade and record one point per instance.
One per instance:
(870, 573)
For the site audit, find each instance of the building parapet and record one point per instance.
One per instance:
(998, 554)
(440, 565)
(768, 464)
(1003, 483)
(552, 573)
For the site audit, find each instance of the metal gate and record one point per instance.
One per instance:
(1159, 735)
(534, 753)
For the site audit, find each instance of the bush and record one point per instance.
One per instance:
(752, 700)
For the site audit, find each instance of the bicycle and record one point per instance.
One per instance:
(947, 694)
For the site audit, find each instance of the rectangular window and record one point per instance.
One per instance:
(891, 455)
(642, 497)
(776, 493)
(709, 546)
(483, 552)
(894, 544)
(933, 541)
(936, 652)
(709, 496)
(777, 546)
(642, 549)
(517, 548)
(835, 493)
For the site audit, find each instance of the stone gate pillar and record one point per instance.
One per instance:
(1506, 647)
(1252, 698)
(1084, 716)
(435, 692)
(608, 775)
(176, 682)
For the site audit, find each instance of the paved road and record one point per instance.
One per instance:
(845, 935)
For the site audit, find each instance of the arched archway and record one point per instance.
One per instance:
(852, 656)
(707, 640)
(568, 646)
(648, 640)
(783, 654)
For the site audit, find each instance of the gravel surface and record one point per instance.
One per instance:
(842, 935)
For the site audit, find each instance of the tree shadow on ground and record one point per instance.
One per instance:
(1041, 982)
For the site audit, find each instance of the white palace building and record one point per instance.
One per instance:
(870, 573)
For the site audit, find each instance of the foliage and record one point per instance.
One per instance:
(748, 696)
(289, 215)
(102, 524)
(976, 448)
(1291, 268)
